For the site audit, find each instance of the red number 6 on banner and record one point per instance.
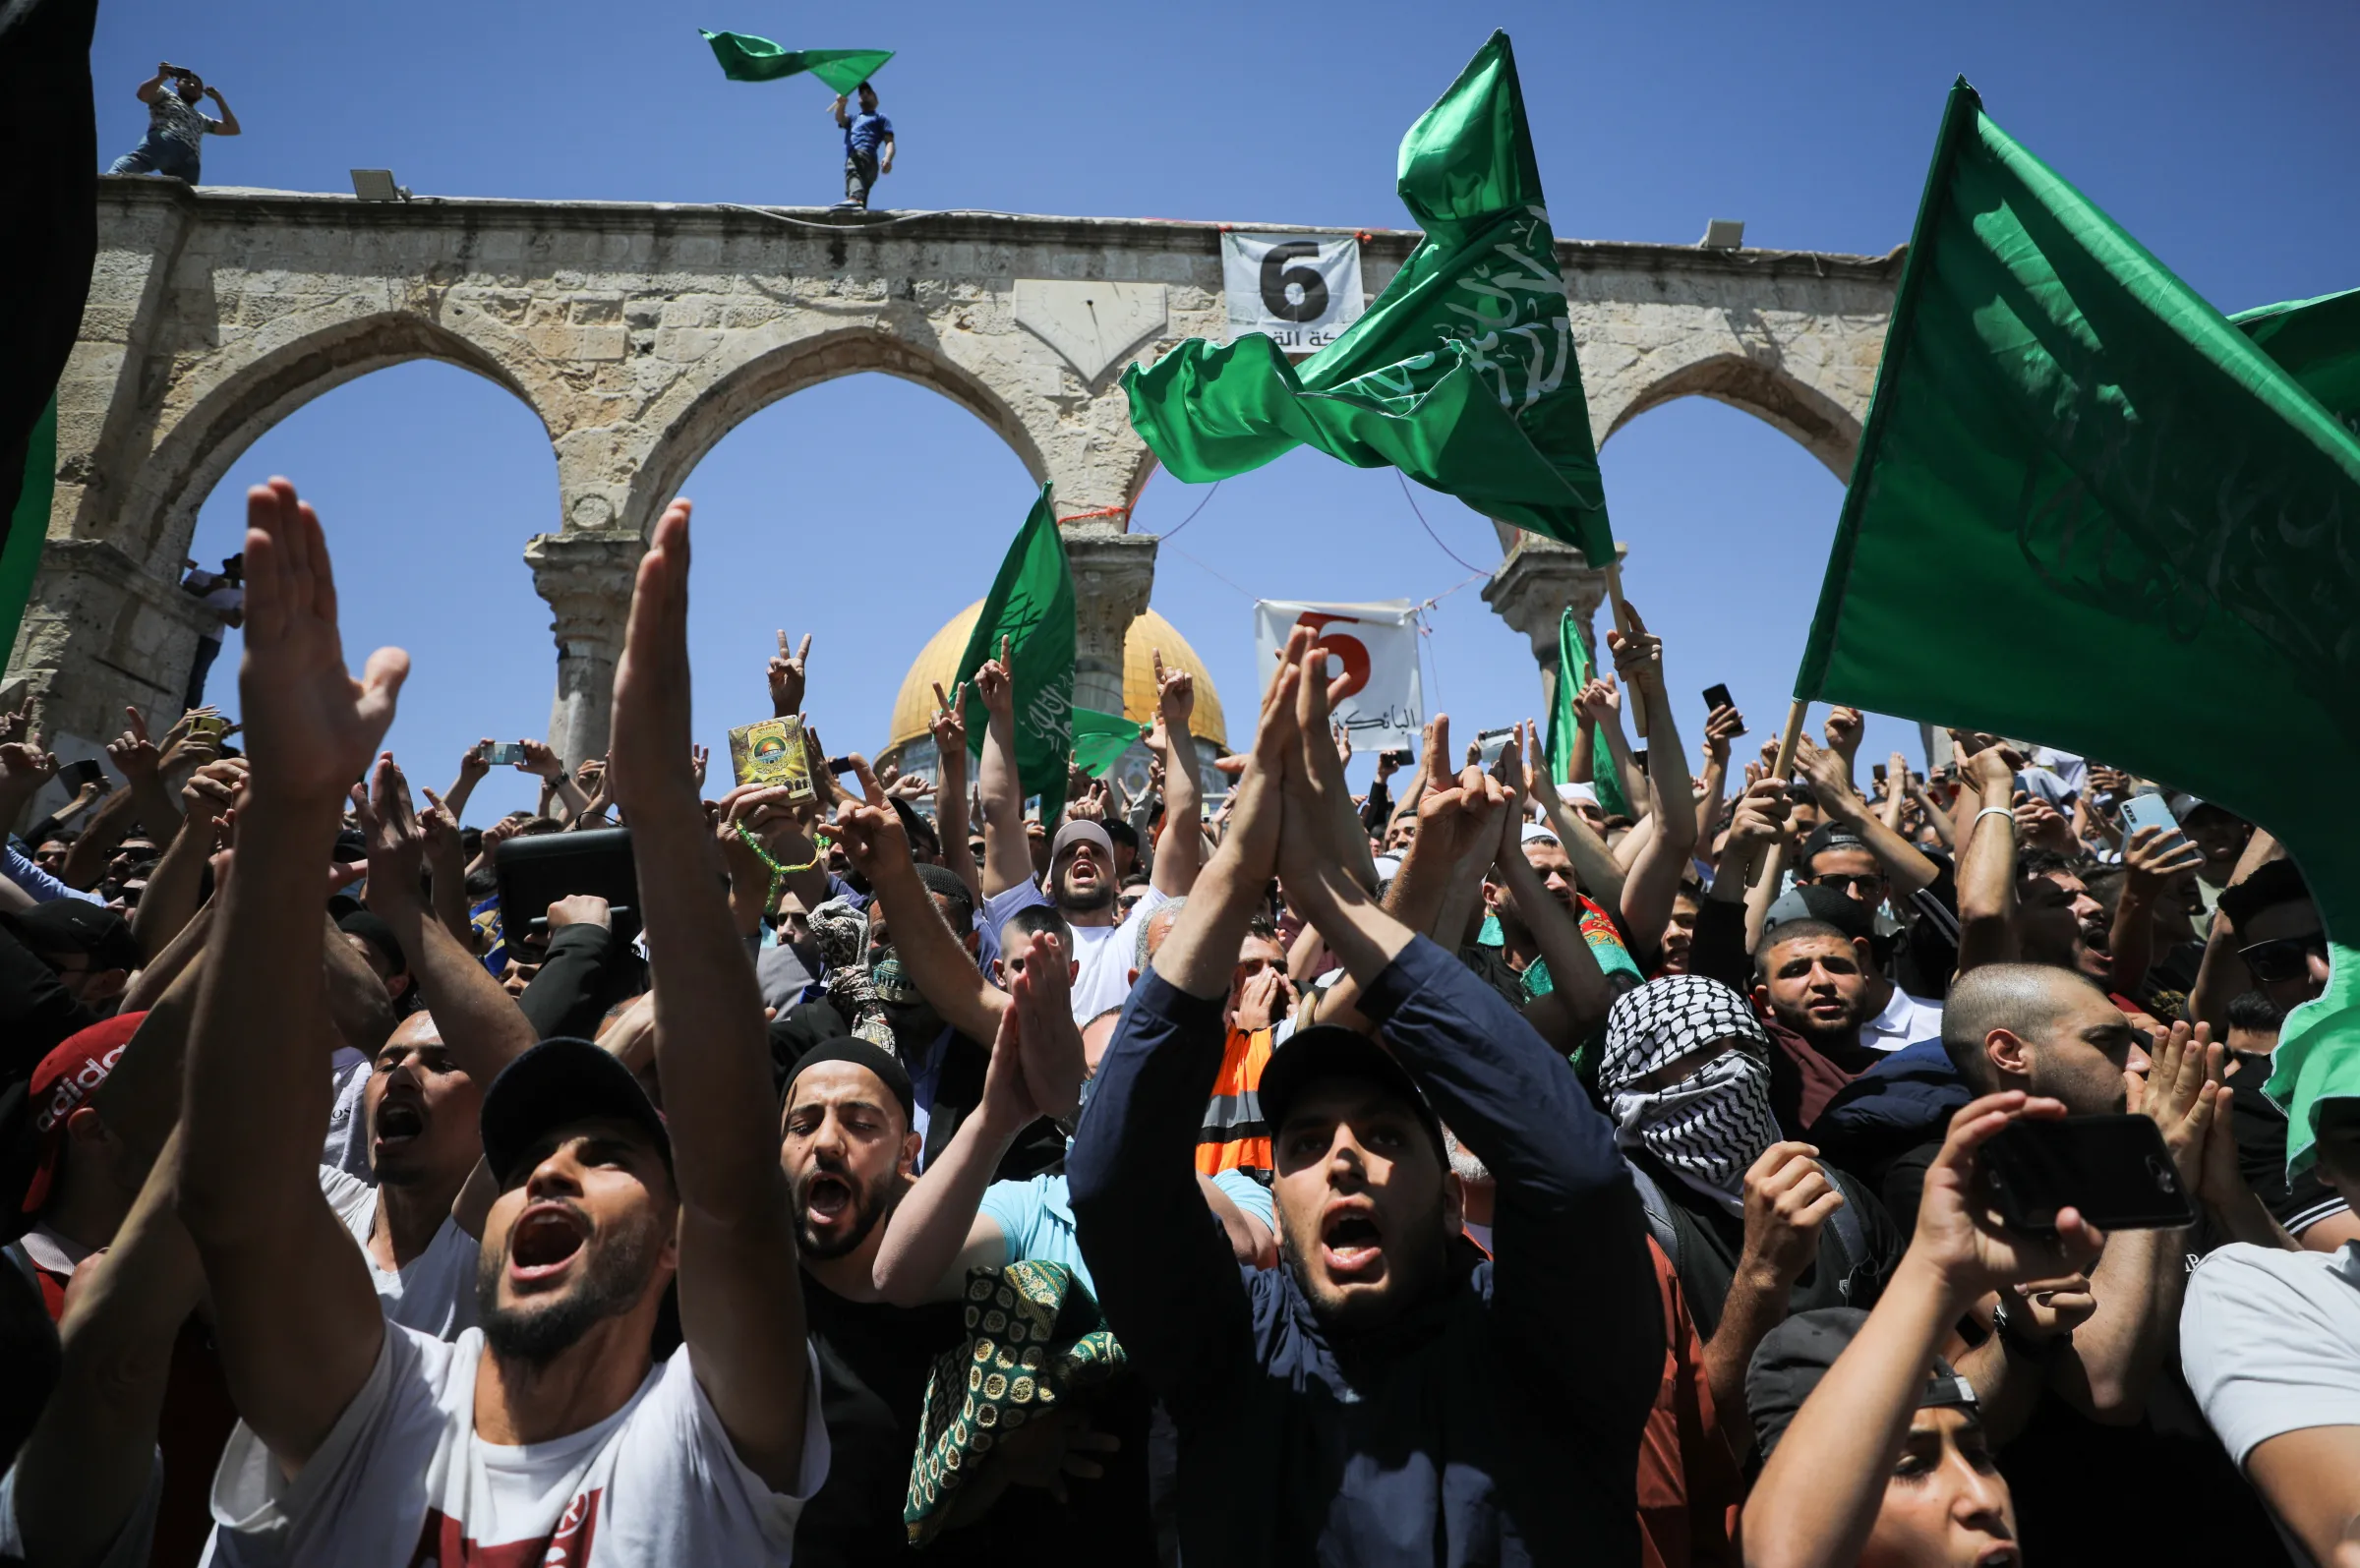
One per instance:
(1350, 648)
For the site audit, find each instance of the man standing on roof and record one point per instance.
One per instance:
(867, 147)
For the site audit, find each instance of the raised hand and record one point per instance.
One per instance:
(787, 677)
(1176, 694)
(2155, 858)
(2182, 1091)
(1343, 745)
(311, 728)
(133, 755)
(1844, 728)
(995, 683)
(1788, 1197)
(539, 759)
(475, 763)
(1828, 773)
(1051, 1042)
(699, 757)
(389, 828)
(949, 724)
(25, 766)
(649, 758)
(1758, 819)
(1599, 702)
(212, 790)
(1721, 727)
(1008, 1102)
(1638, 653)
(1963, 1238)
(440, 831)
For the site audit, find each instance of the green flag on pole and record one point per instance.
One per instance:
(1100, 739)
(746, 58)
(1461, 373)
(1573, 671)
(2318, 343)
(1032, 605)
(27, 526)
(2069, 448)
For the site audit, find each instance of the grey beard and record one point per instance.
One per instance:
(536, 1334)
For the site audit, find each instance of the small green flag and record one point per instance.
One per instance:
(1461, 373)
(27, 526)
(2068, 448)
(746, 58)
(1573, 669)
(1032, 605)
(2318, 343)
(1100, 739)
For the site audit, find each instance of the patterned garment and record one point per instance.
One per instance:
(1034, 1338)
(169, 119)
(1711, 1126)
(841, 933)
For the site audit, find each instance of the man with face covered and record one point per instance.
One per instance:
(547, 1433)
(1757, 1228)
(1387, 1396)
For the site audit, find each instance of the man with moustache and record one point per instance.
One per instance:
(546, 1433)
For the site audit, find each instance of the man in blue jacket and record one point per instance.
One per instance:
(1389, 1395)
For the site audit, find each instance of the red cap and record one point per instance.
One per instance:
(67, 1078)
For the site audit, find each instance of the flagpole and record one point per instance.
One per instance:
(1784, 765)
(1614, 595)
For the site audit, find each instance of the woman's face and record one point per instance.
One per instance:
(1946, 1505)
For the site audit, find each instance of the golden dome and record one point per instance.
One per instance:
(938, 661)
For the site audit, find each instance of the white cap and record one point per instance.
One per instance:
(1539, 830)
(1579, 794)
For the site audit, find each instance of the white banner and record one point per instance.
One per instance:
(1375, 646)
(1300, 289)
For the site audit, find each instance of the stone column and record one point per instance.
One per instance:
(586, 577)
(1532, 588)
(1113, 572)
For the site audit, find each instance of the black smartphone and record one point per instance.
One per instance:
(536, 872)
(1876, 771)
(74, 775)
(1400, 757)
(1717, 696)
(1638, 754)
(840, 766)
(2113, 1169)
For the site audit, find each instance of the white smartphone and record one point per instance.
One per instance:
(2148, 810)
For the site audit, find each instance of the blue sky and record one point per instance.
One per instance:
(869, 510)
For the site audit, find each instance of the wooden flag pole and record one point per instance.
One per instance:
(1785, 766)
(1614, 595)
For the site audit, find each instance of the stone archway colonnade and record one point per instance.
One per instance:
(641, 334)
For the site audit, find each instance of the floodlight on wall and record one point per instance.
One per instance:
(376, 185)
(1721, 234)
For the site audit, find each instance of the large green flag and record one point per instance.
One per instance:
(2071, 454)
(2318, 343)
(1461, 373)
(1032, 605)
(746, 58)
(27, 526)
(1100, 739)
(1573, 669)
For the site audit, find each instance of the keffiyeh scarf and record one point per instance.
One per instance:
(1710, 1127)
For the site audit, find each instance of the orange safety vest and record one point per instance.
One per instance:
(1235, 1136)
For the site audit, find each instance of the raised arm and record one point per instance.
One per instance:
(2154, 862)
(148, 88)
(1829, 774)
(931, 955)
(474, 764)
(1987, 864)
(1653, 885)
(1180, 847)
(549, 768)
(227, 125)
(1007, 858)
(296, 1318)
(174, 886)
(949, 728)
(741, 1301)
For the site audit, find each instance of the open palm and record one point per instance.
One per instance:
(311, 728)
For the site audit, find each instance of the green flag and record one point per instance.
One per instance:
(1032, 605)
(2318, 343)
(1461, 373)
(2070, 452)
(27, 526)
(1574, 668)
(1100, 739)
(746, 58)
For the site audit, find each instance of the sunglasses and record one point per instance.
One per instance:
(1859, 884)
(2285, 959)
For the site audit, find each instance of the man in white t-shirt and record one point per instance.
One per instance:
(547, 1433)
(1082, 877)
(2270, 1343)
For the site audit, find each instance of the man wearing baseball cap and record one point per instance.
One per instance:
(1082, 877)
(63, 967)
(548, 1432)
(1386, 1395)
(77, 1175)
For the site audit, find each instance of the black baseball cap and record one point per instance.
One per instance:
(1794, 1355)
(1331, 1051)
(1830, 835)
(76, 925)
(559, 1081)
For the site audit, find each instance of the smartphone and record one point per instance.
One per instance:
(840, 766)
(536, 872)
(1491, 743)
(1876, 771)
(501, 753)
(74, 775)
(1717, 696)
(213, 724)
(1638, 754)
(1400, 757)
(2148, 810)
(2113, 1169)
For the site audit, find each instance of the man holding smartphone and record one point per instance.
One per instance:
(223, 596)
(176, 132)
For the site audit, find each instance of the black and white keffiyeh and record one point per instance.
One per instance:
(1713, 1125)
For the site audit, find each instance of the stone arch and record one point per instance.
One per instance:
(158, 512)
(779, 370)
(1778, 397)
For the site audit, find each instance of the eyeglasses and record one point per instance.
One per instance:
(1867, 886)
(2284, 958)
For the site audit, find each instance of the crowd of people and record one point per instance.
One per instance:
(1445, 1172)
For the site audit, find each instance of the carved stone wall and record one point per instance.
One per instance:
(641, 334)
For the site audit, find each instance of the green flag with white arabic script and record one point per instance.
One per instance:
(1100, 739)
(1574, 668)
(1032, 605)
(2068, 448)
(1461, 373)
(746, 58)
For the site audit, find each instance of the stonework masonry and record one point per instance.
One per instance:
(641, 334)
